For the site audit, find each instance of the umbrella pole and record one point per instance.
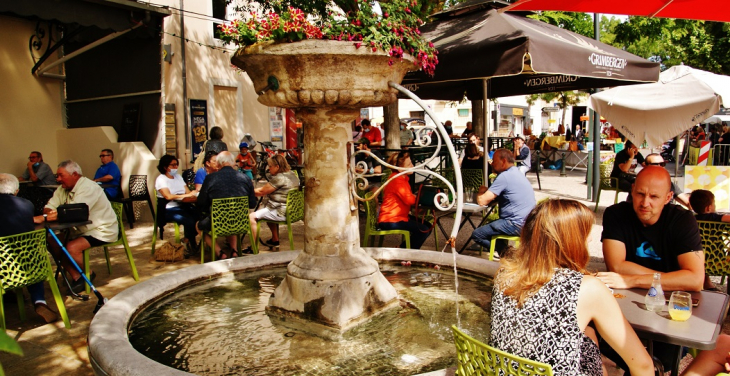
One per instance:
(596, 125)
(487, 124)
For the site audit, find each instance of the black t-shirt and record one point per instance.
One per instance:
(657, 246)
(621, 158)
(371, 163)
(725, 138)
(712, 217)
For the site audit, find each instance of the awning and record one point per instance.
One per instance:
(105, 14)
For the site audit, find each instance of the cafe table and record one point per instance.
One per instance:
(467, 211)
(699, 332)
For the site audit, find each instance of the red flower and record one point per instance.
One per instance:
(358, 44)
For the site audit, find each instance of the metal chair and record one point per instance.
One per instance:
(24, 261)
(715, 243)
(371, 229)
(137, 192)
(122, 240)
(294, 213)
(477, 358)
(228, 216)
(161, 203)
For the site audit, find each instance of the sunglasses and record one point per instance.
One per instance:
(657, 164)
(104, 155)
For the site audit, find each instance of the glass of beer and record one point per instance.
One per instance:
(680, 306)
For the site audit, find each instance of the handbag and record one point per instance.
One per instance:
(73, 213)
(170, 252)
(201, 158)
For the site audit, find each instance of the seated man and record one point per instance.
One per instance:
(108, 173)
(522, 155)
(226, 182)
(649, 235)
(371, 133)
(680, 197)
(373, 167)
(74, 189)
(406, 136)
(515, 196)
(623, 164)
(37, 171)
(16, 217)
(703, 203)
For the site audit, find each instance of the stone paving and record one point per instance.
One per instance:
(50, 349)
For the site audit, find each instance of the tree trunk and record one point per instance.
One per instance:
(477, 116)
(391, 126)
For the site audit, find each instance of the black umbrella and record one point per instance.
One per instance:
(519, 55)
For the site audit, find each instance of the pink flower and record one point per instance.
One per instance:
(358, 44)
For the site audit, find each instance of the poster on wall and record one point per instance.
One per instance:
(198, 125)
(712, 178)
(276, 123)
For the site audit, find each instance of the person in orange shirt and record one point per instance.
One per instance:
(397, 201)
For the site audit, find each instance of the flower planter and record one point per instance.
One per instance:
(322, 73)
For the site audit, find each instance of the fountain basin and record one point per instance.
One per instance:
(111, 353)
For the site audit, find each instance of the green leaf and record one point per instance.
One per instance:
(8, 344)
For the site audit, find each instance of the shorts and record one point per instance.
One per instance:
(94, 242)
(269, 215)
(205, 224)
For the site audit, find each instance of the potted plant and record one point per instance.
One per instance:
(392, 30)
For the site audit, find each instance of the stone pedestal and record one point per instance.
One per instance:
(332, 285)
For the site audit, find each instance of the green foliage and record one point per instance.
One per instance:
(8, 345)
(699, 44)
(581, 23)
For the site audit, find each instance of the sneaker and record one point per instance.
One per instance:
(270, 243)
(79, 285)
(45, 312)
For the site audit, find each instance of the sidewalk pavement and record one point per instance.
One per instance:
(50, 349)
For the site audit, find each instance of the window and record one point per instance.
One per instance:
(417, 114)
(463, 112)
(219, 12)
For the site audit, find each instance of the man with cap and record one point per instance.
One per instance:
(372, 166)
(245, 160)
(406, 136)
(522, 154)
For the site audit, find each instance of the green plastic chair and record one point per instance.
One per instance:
(118, 209)
(371, 229)
(493, 242)
(477, 358)
(24, 261)
(294, 213)
(607, 183)
(715, 243)
(156, 226)
(228, 216)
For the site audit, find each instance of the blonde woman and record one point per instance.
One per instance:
(545, 305)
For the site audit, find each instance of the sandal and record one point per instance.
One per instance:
(222, 255)
(234, 254)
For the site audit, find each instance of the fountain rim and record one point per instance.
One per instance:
(111, 353)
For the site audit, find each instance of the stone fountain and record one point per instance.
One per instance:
(333, 284)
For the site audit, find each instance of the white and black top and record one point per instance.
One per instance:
(545, 328)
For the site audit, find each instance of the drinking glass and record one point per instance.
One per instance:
(680, 306)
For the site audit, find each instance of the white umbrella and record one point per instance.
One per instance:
(716, 119)
(656, 112)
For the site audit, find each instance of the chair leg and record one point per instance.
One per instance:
(212, 245)
(365, 238)
(202, 247)
(615, 199)
(152, 209)
(491, 249)
(2, 312)
(59, 301)
(130, 258)
(129, 208)
(407, 238)
(21, 304)
(154, 237)
(598, 199)
(108, 262)
(291, 236)
(177, 233)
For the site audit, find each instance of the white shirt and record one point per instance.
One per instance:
(176, 185)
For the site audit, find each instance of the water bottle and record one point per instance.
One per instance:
(654, 299)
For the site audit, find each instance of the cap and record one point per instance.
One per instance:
(363, 140)
(518, 136)
(243, 145)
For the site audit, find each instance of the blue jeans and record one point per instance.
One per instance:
(419, 231)
(185, 215)
(37, 292)
(483, 235)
